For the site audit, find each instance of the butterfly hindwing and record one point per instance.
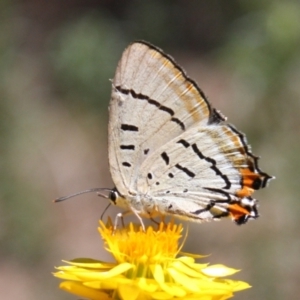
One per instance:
(196, 176)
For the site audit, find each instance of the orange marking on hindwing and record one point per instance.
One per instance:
(248, 180)
(237, 211)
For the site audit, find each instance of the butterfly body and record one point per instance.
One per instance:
(170, 151)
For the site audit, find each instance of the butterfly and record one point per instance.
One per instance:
(172, 153)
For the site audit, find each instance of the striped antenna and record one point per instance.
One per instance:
(98, 190)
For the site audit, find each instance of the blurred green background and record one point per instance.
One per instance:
(56, 59)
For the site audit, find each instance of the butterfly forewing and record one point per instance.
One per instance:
(152, 102)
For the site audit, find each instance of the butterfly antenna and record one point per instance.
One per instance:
(105, 210)
(98, 190)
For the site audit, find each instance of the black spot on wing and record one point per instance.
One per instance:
(181, 124)
(126, 164)
(127, 147)
(128, 127)
(146, 151)
(185, 170)
(151, 102)
(257, 183)
(242, 219)
(145, 97)
(184, 143)
(167, 109)
(222, 214)
(165, 157)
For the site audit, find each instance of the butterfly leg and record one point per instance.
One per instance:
(140, 219)
(122, 215)
(154, 221)
(119, 216)
(161, 220)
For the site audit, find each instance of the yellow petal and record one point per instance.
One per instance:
(237, 285)
(172, 289)
(66, 276)
(147, 285)
(128, 291)
(158, 273)
(188, 283)
(212, 287)
(108, 284)
(186, 259)
(190, 261)
(90, 263)
(191, 255)
(92, 275)
(186, 269)
(69, 268)
(218, 271)
(95, 284)
(161, 296)
(79, 290)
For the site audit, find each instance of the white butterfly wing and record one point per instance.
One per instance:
(145, 112)
(205, 173)
(168, 147)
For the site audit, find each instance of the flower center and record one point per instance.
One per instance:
(132, 244)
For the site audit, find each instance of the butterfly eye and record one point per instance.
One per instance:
(113, 196)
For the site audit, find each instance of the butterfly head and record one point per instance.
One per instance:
(117, 199)
(113, 196)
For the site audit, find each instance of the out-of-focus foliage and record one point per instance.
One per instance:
(84, 52)
(56, 59)
(262, 50)
(263, 47)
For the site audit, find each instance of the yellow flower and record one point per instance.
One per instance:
(147, 267)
